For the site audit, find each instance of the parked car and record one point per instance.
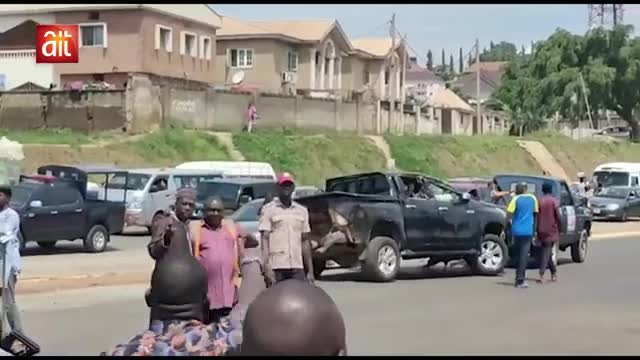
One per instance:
(374, 221)
(234, 192)
(616, 202)
(619, 132)
(575, 215)
(53, 205)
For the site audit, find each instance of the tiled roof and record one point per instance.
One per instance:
(374, 46)
(445, 98)
(311, 30)
(488, 66)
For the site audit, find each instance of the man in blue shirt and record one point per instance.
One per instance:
(522, 212)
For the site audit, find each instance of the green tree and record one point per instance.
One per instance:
(429, 60)
(452, 68)
(460, 62)
(502, 51)
(443, 63)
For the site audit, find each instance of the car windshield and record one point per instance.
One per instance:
(248, 212)
(226, 191)
(613, 193)
(612, 178)
(19, 196)
(135, 182)
(192, 181)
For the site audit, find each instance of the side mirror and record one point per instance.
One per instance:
(584, 201)
(154, 188)
(466, 197)
(244, 199)
(35, 204)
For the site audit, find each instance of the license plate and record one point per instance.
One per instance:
(596, 211)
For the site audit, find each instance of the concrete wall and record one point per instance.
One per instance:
(85, 111)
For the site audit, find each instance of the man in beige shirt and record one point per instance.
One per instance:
(283, 227)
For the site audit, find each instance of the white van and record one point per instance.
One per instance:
(151, 192)
(232, 169)
(618, 174)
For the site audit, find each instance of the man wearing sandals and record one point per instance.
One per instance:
(548, 230)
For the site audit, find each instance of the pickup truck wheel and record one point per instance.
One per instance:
(383, 260)
(97, 239)
(579, 249)
(319, 266)
(47, 244)
(493, 256)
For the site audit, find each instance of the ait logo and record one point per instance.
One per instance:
(56, 44)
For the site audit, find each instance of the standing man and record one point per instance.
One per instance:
(283, 227)
(218, 245)
(582, 184)
(9, 229)
(548, 226)
(522, 212)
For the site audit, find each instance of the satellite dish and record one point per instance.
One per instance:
(237, 77)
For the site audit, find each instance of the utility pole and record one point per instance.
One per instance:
(392, 79)
(478, 111)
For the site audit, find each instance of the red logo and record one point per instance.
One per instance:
(56, 44)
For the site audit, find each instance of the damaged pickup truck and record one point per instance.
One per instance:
(376, 219)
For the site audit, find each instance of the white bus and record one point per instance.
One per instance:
(234, 169)
(618, 174)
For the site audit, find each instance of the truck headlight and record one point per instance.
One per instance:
(135, 205)
(613, 207)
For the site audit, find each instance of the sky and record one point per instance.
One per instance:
(438, 27)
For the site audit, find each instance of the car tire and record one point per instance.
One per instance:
(47, 244)
(579, 248)
(493, 256)
(382, 261)
(96, 239)
(319, 266)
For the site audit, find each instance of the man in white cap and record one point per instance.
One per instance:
(582, 184)
(286, 250)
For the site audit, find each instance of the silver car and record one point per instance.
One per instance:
(616, 202)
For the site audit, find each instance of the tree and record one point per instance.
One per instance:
(470, 60)
(429, 60)
(443, 63)
(566, 71)
(460, 62)
(452, 69)
(523, 52)
(502, 51)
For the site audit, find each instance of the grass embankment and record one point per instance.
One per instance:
(162, 148)
(311, 158)
(453, 156)
(584, 155)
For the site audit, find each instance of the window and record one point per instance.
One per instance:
(565, 195)
(65, 196)
(241, 58)
(366, 77)
(188, 44)
(161, 183)
(205, 47)
(292, 61)
(634, 181)
(93, 35)
(94, 15)
(164, 38)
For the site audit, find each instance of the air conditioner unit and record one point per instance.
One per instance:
(289, 77)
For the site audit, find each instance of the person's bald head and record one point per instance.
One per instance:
(294, 318)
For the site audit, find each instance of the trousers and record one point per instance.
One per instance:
(522, 246)
(545, 259)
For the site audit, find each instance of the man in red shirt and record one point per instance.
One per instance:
(548, 230)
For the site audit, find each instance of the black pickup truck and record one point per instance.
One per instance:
(53, 205)
(575, 216)
(374, 220)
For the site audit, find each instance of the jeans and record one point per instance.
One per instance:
(522, 246)
(545, 259)
(286, 274)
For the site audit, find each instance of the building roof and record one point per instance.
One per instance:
(192, 12)
(445, 98)
(298, 31)
(417, 73)
(19, 37)
(489, 66)
(378, 47)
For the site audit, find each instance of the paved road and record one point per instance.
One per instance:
(592, 310)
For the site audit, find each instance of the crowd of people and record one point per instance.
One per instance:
(217, 290)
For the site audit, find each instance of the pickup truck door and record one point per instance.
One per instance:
(70, 217)
(567, 215)
(38, 222)
(421, 222)
(456, 219)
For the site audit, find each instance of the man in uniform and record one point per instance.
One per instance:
(283, 228)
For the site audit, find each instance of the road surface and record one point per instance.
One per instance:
(593, 309)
